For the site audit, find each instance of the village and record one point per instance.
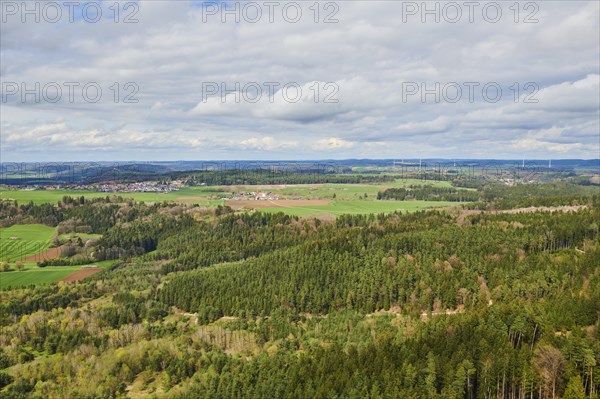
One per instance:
(154, 187)
(136, 187)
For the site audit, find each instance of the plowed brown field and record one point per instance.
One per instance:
(46, 254)
(82, 273)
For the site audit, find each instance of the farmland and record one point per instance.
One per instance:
(24, 241)
(296, 200)
(34, 275)
(20, 241)
(209, 195)
(201, 195)
(344, 192)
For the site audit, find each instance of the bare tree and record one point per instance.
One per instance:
(549, 362)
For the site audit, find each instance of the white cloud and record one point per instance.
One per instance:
(334, 143)
(265, 144)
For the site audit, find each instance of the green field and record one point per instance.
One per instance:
(209, 195)
(337, 208)
(348, 192)
(44, 275)
(348, 198)
(40, 275)
(22, 240)
(53, 196)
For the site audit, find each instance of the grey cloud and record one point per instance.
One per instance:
(368, 54)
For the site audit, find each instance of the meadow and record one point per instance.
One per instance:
(22, 240)
(341, 191)
(34, 275)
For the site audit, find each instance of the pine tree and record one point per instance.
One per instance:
(574, 389)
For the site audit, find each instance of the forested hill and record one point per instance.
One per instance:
(215, 304)
(386, 265)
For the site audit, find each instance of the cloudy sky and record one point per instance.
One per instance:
(305, 80)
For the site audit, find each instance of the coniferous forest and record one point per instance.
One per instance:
(463, 302)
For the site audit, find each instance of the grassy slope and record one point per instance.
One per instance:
(32, 238)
